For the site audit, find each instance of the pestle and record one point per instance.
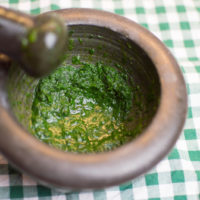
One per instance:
(37, 43)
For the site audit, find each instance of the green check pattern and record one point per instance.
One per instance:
(176, 177)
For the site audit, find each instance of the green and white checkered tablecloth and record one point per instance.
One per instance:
(177, 24)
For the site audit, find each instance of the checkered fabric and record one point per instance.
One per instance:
(177, 24)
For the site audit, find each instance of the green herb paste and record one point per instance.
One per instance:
(83, 109)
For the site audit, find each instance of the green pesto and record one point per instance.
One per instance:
(91, 36)
(99, 36)
(91, 51)
(71, 33)
(71, 44)
(24, 43)
(80, 41)
(76, 60)
(32, 36)
(128, 45)
(105, 54)
(83, 109)
(100, 47)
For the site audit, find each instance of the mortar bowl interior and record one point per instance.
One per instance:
(108, 47)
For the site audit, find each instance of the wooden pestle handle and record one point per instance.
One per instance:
(37, 43)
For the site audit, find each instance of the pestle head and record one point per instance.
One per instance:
(44, 46)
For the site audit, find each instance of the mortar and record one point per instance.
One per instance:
(162, 95)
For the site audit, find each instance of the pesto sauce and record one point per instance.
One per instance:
(83, 109)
